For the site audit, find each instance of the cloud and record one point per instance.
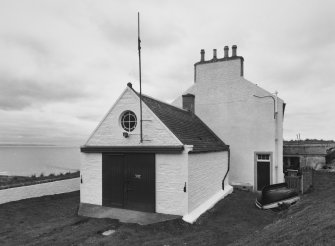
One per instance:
(16, 94)
(63, 64)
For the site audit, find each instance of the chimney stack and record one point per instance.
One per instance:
(214, 54)
(202, 52)
(234, 50)
(226, 50)
(188, 102)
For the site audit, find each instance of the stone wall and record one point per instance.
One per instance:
(307, 179)
(37, 190)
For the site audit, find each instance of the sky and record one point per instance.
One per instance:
(64, 63)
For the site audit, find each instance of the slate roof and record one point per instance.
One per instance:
(186, 126)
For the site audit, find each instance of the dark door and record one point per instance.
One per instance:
(140, 179)
(112, 180)
(263, 174)
(129, 181)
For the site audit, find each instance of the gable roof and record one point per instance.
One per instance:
(186, 126)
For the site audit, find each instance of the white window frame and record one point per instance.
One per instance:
(123, 123)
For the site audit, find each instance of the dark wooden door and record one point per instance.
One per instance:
(263, 174)
(113, 180)
(129, 181)
(140, 179)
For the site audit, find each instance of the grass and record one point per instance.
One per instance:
(16, 181)
(309, 222)
(53, 220)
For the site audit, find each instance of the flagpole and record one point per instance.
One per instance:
(140, 75)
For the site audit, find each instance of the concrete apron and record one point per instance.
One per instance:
(123, 215)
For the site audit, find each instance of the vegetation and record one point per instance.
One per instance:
(53, 220)
(16, 181)
(309, 141)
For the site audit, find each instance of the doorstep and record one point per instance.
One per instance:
(123, 215)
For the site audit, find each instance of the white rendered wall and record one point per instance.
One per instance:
(109, 132)
(171, 175)
(38, 190)
(224, 101)
(91, 174)
(206, 172)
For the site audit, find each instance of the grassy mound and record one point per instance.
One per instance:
(310, 222)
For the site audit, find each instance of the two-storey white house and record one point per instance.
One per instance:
(244, 115)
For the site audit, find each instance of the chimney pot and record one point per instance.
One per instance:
(234, 47)
(130, 85)
(202, 52)
(214, 54)
(226, 50)
(188, 102)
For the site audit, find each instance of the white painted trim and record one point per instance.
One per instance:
(195, 214)
(110, 110)
(156, 117)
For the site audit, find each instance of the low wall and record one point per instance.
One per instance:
(37, 190)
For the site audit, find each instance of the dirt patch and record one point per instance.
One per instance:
(53, 220)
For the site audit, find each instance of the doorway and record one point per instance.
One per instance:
(263, 167)
(128, 181)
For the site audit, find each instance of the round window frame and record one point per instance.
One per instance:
(123, 123)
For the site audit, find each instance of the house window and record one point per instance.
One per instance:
(128, 121)
(263, 157)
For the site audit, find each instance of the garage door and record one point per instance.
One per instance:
(128, 181)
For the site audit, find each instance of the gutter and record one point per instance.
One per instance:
(227, 169)
(132, 149)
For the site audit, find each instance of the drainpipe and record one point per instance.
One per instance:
(276, 136)
(227, 169)
(275, 116)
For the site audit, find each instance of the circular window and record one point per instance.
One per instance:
(128, 121)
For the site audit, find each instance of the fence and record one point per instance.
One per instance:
(301, 180)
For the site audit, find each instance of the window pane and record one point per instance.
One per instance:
(128, 121)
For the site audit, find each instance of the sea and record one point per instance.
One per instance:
(37, 160)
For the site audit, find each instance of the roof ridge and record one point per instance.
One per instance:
(167, 104)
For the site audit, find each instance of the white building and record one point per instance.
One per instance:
(180, 168)
(242, 114)
(183, 167)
